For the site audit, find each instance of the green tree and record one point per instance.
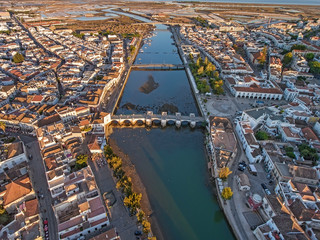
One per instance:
(18, 58)
(298, 47)
(287, 59)
(81, 161)
(314, 67)
(291, 155)
(261, 135)
(108, 152)
(308, 153)
(4, 216)
(309, 56)
(78, 35)
(217, 86)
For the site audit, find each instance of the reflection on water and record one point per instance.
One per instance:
(172, 93)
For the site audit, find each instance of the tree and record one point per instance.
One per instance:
(217, 86)
(263, 58)
(132, 49)
(108, 152)
(291, 155)
(199, 62)
(224, 173)
(133, 202)
(308, 153)
(18, 58)
(226, 193)
(210, 68)
(3, 126)
(261, 135)
(146, 226)
(200, 70)
(191, 57)
(4, 216)
(206, 61)
(287, 59)
(314, 67)
(216, 75)
(309, 56)
(125, 185)
(140, 216)
(298, 47)
(82, 158)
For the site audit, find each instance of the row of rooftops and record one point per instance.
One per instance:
(219, 46)
(77, 203)
(40, 86)
(17, 195)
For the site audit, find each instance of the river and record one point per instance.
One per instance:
(171, 162)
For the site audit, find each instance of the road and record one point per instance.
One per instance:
(39, 183)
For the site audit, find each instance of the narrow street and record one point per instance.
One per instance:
(40, 185)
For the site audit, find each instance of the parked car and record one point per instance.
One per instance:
(138, 233)
(241, 168)
(267, 191)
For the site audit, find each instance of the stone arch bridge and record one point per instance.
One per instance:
(149, 118)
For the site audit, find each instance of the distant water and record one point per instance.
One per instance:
(286, 2)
